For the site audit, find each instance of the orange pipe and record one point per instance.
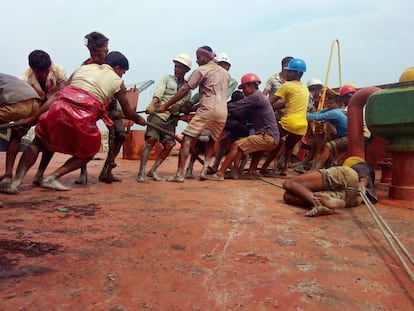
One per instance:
(356, 146)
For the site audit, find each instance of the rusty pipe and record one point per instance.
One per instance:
(356, 146)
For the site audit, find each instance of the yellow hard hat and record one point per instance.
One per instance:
(351, 161)
(350, 84)
(407, 75)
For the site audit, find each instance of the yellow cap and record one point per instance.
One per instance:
(351, 161)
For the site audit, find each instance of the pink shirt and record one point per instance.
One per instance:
(213, 82)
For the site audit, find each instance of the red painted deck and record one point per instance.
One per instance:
(232, 245)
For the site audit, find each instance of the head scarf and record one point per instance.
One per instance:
(206, 53)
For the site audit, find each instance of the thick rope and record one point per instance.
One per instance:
(383, 226)
(387, 232)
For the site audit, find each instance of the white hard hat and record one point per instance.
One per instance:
(183, 59)
(223, 57)
(314, 82)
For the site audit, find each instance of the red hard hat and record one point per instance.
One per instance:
(346, 89)
(249, 78)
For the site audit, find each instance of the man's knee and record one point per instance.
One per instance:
(18, 132)
(169, 145)
(235, 147)
(120, 136)
(286, 197)
(186, 141)
(288, 184)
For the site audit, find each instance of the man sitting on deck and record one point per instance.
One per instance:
(257, 110)
(339, 144)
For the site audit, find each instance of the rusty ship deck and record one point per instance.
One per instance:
(199, 245)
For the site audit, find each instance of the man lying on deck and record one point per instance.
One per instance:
(327, 189)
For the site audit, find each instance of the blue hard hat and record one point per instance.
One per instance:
(296, 64)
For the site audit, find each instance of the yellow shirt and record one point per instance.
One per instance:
(296, 95)
(101, 81)
(55, 81)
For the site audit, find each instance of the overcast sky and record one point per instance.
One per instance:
(376, 37)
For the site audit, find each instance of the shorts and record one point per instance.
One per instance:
(200, 125)
(21, 110)
(233, 137)
(257, 142)
(168, 125)
(335, 178)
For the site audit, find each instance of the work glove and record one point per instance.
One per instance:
(175, 109)
(150, 109)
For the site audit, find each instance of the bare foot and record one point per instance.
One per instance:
(189, 176)
(142, 179)
(7, 188)
(175, 178)
(326, 200)
(108, 178)
(215, 177)
(300, 169)
(51, 182)
(203, 174)
(263, 172)
(6, 178)
(319, 211)
(283, 172)
(37, 180)
(189, 173)
(234, 174)
(154, 176)
(114, 178)
(82, 180)
(248, 176)
(268, 173)
(212, 170)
